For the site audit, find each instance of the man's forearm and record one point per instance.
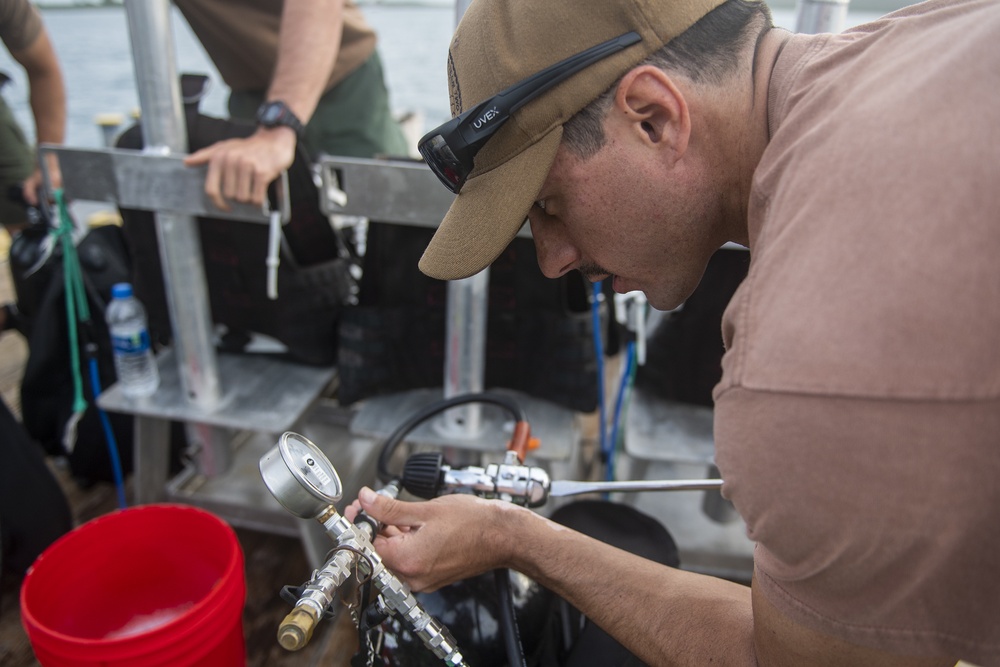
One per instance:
(47, 95)
(307, 51)
(663, 615)
(48, 105)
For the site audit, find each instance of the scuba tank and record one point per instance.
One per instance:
(36, 259)
(31, 260)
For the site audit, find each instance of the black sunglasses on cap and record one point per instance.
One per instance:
(450, 149)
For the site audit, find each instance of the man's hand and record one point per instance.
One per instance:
(241, 169)
(434, 543)
(32, 186)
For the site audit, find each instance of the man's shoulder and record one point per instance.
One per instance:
(20, 24)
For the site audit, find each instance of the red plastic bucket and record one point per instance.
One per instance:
(141, 587)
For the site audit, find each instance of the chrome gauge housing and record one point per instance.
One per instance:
(300, 476)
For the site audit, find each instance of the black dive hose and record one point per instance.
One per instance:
(397, 436)
(508, 623)
(501, 577)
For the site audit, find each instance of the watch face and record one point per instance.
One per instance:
(272, 114)
(277, 114)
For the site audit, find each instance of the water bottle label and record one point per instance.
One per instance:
(133, 343)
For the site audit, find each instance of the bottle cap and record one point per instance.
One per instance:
(121, 290)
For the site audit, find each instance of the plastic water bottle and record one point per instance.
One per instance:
(134, 362)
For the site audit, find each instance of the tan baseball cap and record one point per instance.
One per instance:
(501, 42)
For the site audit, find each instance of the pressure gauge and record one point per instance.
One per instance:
(300, 477)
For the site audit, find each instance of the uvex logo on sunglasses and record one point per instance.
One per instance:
(489, 115)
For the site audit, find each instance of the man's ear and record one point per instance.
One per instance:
(657, 109)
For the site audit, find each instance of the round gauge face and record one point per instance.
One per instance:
(310, 467)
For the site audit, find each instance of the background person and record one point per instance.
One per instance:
(306, 70)
(24, 35)
(856, 421)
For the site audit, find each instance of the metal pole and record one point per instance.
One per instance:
(465, 358)
(816, 16)
(163, 131)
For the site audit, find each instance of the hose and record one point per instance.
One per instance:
(508, 623)
(78, 317)
(501, 577)
(624, 390)
(595, 314)
(109, 435)
(398, 435)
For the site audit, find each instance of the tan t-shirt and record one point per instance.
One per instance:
(858, 418)
(19, 24)
(241, 38)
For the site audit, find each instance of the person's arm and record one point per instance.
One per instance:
(47, 98)
(241, 169)
(663, 615)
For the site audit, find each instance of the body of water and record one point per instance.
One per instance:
(95, 51)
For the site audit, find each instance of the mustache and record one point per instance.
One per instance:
(593, 272)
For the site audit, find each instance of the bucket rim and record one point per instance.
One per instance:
(226, 587)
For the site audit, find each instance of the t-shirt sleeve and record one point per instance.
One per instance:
(20, 24)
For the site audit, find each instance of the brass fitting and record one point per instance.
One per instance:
(296, 629)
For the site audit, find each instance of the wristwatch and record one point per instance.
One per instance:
(277, 114)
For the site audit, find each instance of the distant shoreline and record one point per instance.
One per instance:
(877, 6)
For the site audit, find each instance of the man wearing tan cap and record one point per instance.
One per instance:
(858, 415)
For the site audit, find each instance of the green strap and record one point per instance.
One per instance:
(76, 298)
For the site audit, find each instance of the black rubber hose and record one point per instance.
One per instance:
(397, 436)
(508, 622)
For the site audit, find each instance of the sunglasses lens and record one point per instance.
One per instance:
(442, 160)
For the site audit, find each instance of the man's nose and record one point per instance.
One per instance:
(557, 256)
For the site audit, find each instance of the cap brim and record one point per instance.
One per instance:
(486, 216)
